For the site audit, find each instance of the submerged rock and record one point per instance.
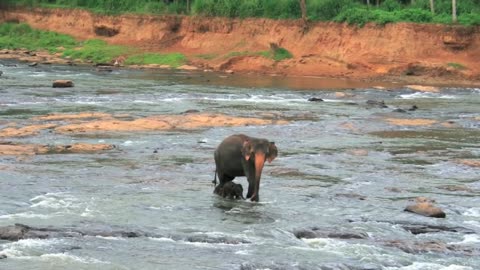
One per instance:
(316, 232)
(315, 99)
(431, 246)
(62, 83)
(376, 103)
(427, 228)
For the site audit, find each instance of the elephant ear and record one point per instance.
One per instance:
(247, 149)
(272, 152)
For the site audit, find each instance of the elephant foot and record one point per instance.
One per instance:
(255, 198)
(218, 190)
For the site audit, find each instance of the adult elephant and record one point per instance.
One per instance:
(241, 155)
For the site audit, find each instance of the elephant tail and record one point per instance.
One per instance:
(215, 179)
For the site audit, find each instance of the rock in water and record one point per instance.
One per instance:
(62, 83)
(425, 207)
(315, 99)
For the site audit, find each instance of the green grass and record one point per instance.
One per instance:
(277, 54)
(22, 36)
(207, 56)
(171, 59)
(456, 66)
(97, 51)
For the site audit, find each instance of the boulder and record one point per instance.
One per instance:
(424, 206)
(62, 83)
(315, 99)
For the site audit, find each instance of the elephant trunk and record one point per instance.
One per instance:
(259, 163)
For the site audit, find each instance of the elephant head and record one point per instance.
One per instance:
(256, 152)
(233, 191)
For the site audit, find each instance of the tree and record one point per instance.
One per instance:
(432, 7)
(303, 8)
(454, 11)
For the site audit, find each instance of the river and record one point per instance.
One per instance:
(343, 166)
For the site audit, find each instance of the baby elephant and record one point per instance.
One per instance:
(230, 190)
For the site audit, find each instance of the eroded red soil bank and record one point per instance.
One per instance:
(411, 52)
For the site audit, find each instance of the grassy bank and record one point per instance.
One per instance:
(22, 36)
(351, 11)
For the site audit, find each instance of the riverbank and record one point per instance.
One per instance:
(403, 52)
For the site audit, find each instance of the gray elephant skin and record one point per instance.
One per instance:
(230, 190)
(241, 155)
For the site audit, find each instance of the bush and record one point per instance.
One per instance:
(413, 15)
(352, 11)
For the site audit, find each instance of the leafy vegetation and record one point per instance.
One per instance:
(351, 11)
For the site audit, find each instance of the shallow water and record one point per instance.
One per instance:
(341, 167)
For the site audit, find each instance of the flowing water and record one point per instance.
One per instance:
(342, 167)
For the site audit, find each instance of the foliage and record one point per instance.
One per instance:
(280, 54)
(15, 36)
(172, 59)
(351, 11)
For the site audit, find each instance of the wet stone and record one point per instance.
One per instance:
(317, 232)
(62, 83)
(376, 104)
(424, 206)
(427, 228)
(315, 99)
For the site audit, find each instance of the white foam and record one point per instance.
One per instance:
(472, 212)
(162, 239)
(53, 200)
(426, 95)
(243, 252)
(70, 258)
(468, 239)
(430, 266)
(20, 248)
(111, 238)
(473, 223)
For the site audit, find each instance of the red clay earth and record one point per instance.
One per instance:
(405, 52)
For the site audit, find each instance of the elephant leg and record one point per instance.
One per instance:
(251, 188)
(251, 183)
